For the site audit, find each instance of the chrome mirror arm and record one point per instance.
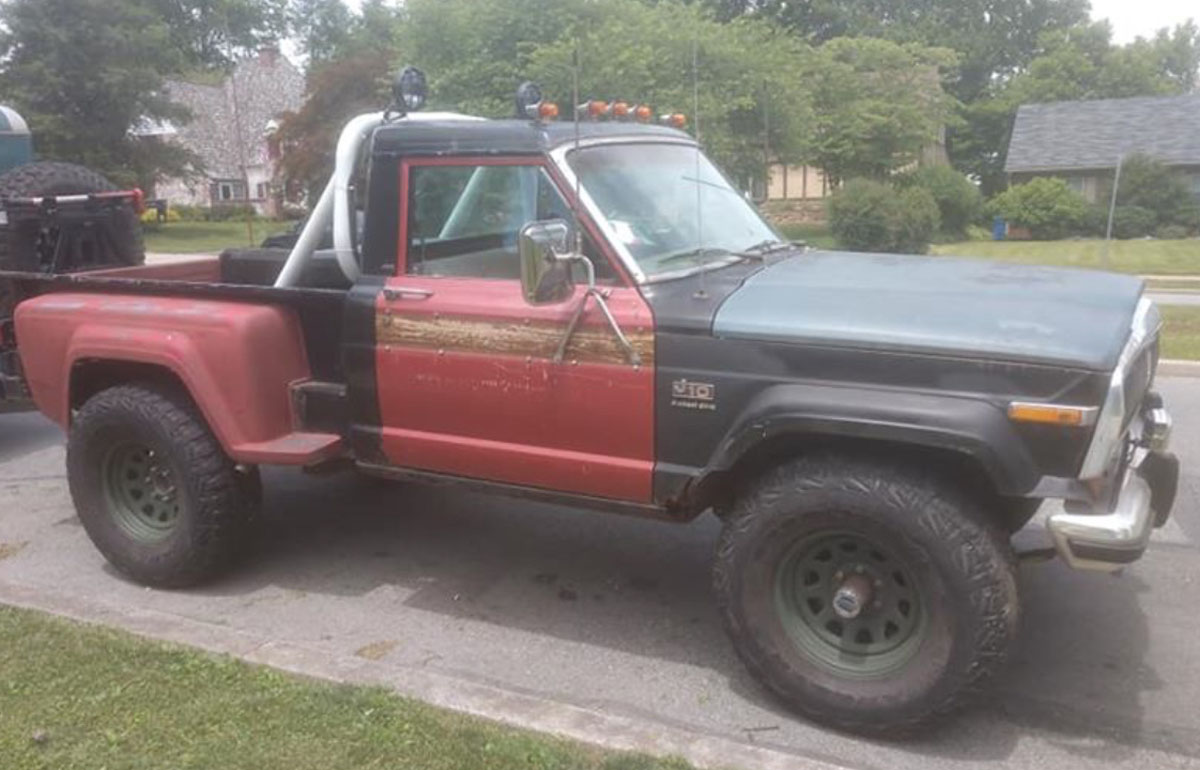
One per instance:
(634, 358)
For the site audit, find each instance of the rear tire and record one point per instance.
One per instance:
(935, 575)
(52, 178)
(155, 491)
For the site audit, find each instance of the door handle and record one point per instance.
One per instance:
(394, 293)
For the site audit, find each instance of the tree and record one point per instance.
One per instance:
(348, 73)
(216, 33)
(877, 105)
(741, 84)
(337, 90)
(322, 28)
(68, 66)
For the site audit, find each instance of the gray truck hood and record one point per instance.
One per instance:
(941, 305)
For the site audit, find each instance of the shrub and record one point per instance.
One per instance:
(1150, 185)
(230, 211)
(959, 202)
(1172, 232)
(1046, 206)
(150, 216)
(870, 216)
(1133, 222)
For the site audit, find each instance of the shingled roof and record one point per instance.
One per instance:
(1063, 136)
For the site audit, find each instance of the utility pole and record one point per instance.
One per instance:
(1112, 207)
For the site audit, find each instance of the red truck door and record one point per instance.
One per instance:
(467, 383)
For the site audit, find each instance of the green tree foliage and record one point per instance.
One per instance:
(215, 33)
(959, 201)
(993, 38)
(1046, 206)
(751, 93)
(877, 104)
(867, 215)
(73, 69)
(323, 29)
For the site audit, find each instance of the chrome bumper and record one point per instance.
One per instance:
(1106, 538)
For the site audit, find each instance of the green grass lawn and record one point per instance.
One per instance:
(1181, 332)
(1136, 256)
(78, 696)
(208, 237)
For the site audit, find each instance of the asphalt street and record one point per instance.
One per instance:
(614, 613)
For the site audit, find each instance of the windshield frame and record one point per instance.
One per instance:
(559, 156)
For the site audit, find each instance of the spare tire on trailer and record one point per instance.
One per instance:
(51, 178)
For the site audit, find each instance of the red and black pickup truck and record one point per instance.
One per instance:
(588, 312)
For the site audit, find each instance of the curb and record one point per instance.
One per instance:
(518, 709)
(1177, 367)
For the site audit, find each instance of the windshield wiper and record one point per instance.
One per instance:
(697, 254)
(766, 247)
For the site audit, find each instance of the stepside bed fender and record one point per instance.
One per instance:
(236, 359)
(973, 428)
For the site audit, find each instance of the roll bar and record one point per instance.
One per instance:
(335, 200)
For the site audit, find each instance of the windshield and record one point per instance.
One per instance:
(668, 205)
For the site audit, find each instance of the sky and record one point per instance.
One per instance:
(1131, 18)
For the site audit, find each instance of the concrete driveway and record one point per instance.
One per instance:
(613, 614)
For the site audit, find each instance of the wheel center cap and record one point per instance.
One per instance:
(852, 596)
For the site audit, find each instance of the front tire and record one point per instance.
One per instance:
(156, 493)
(867, 596)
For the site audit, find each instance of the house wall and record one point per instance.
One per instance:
(796, 183)
(1095, 184)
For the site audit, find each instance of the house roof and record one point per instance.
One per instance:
(1062, 136)
(259, 91)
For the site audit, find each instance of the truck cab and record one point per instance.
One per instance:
(588, 312)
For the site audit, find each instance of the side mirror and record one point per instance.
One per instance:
(545, 261)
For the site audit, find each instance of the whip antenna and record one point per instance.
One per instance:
(703, 292)
(575, 101)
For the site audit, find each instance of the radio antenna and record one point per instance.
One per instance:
(703, 291)
(577, 173)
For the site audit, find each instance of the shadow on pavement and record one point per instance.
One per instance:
(643, 587)
(23, 432)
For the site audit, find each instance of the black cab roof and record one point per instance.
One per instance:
(503, 137)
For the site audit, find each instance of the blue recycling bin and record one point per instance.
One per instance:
(999, 229)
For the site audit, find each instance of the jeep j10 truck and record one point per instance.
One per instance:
(587, 312)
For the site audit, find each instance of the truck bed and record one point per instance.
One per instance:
(243, 276)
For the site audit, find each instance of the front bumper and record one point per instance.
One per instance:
(1106, 538)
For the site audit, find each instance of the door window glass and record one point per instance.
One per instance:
(464, 220)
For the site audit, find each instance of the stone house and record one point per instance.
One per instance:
(1081, 142)
(232, 130)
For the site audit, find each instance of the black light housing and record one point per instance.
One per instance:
(529, 96)
(409, 89)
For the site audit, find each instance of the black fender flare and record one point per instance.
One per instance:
(977, 429)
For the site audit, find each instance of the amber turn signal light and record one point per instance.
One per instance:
(1052, 414)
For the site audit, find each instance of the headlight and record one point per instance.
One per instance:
(1106, 441)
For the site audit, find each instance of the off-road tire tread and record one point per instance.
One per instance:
(947, 511)
(221, 495)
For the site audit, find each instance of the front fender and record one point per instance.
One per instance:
(235, 359)
(969, 426)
